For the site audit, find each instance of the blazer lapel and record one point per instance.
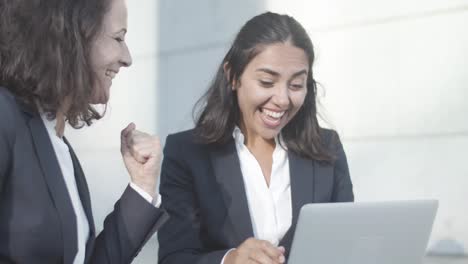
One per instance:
(302, 178)
(228, 174)
(83, 191)
(56, 185)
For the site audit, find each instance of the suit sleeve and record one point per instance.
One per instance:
(127, 229)
(179, 239)
(343, 187)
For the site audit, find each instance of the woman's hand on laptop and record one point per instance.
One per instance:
(256, 251)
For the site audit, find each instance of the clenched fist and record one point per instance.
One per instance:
(141, 153)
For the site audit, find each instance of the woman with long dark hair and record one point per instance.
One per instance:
(57, 58)
(235, 183)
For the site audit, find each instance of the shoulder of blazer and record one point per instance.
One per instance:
(178, 144)
(186, 136)
(10, 104)
(187, 141)
(330, 139)
(9, 114)
(184, 144)
(7, 103)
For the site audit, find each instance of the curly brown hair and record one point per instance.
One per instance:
(45, 54)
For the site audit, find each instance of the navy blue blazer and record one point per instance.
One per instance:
(37, 221)
(203, 190)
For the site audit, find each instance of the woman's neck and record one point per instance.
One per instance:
(257, 144)
(61, 117)
(60, 124)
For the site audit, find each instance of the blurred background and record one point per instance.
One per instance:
(393, 82)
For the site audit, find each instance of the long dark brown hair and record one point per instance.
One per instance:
(217, 112)
(45, 54)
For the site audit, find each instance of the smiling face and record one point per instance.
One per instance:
(271, 90)
(110, 52)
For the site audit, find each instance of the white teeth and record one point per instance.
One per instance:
(273, 114)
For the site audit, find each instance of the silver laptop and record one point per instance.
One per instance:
(363, 233)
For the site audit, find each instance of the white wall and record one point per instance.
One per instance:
(393, 77)
(194, 37)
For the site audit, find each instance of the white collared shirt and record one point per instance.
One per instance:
(63, 155)
(269, 206)
(66, 165)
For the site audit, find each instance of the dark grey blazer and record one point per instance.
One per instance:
(37, 221)
(203, 190)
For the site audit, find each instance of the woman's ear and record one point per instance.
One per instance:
(227, 71)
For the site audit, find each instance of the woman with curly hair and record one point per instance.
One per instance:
(57, 59)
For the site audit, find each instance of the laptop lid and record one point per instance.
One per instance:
(363, 233)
